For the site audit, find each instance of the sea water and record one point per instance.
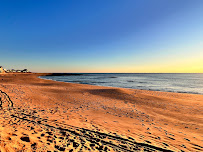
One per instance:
(173, 82)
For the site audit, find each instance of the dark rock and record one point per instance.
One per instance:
(100, 148)
(60, 148)
(75, 144)
(27, 139)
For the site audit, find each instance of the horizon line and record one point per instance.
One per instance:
(126, 72)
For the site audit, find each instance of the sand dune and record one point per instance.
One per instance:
(44, 115)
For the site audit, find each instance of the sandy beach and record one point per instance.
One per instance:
(45, 115)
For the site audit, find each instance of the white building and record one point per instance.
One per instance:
(2, 70)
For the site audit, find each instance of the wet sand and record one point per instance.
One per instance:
(45, 115)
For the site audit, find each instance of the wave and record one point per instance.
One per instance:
(142, 82)
(130, 81)
(112, 77)
(98, 82)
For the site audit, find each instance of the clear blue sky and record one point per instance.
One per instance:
(102, 35)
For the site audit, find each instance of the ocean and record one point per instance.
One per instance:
(167, 82)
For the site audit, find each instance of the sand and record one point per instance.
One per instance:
(45, 115)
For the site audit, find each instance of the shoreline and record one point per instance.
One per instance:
(70, 74)
(164, 120)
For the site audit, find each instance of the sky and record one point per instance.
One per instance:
(102, 36)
